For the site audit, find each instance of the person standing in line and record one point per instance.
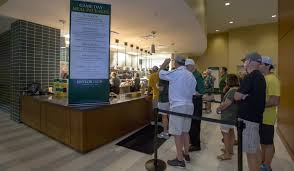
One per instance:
(209, 87)
(137, 80)
(181, 89)
(152, 86)
(197, 101)
(228, 110)
(267, 128)
(251, 96)
(114, 83)
(222, 82)
(163, 104)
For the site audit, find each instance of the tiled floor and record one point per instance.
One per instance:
(22, 148)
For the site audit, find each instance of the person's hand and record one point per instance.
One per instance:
(218, 110)
(244, 97)
(166, 61)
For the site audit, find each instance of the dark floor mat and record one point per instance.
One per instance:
(142, 140)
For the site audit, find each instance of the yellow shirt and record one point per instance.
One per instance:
(272, 89)
(153, 81)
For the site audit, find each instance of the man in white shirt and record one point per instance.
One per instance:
(181, 89)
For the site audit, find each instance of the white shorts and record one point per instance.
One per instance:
(163, 106)
(178, 124)
(225, 128)
(251, 139)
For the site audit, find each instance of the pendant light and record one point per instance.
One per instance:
(126, 44)
(153, 45)
(146, 59)
(137, 48)
(131, 55)
(141, 60)
(116, 41)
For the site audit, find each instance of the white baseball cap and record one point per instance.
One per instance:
(189, 62)
(267, 60)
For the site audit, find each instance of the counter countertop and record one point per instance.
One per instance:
(63, 101)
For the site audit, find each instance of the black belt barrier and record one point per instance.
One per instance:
(159, 165)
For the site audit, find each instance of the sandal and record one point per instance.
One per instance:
(222, 157)
(223, 150)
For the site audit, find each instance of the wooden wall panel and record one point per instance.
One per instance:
(58, 122)
(30, 112)
(115, 121)
(286, 20)
(286, 63)
(77, 129)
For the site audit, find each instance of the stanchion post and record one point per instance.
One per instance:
(240, 128)
(155, 164)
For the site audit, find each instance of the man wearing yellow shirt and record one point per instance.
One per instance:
(152, 86)
(270, 114)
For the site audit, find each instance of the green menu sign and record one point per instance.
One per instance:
(89, 53)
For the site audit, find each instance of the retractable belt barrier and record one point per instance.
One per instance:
(159, 165)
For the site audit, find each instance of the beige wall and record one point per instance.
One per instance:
(216, 53)
(226, 49)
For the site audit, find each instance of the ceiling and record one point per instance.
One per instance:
(174, 21)
(242, 12)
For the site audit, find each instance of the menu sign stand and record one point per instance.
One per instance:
(89, 53)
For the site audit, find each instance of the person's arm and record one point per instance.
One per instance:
(274, 93)
(224, 105)
(244, 89)
(273, 101)
(165, 75)
(164, 64)
(239, 96)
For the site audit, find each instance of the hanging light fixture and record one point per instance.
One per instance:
(126, 44)
(131, 55)
(146, 59)
(137, 57)
(62, 38)
(116, 41)
(153, 45)
(141, 60)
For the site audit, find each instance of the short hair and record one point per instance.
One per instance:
(225, 69)
(271, 66)
(232, 80)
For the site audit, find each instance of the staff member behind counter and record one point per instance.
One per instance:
(197, 101)
(114, 83)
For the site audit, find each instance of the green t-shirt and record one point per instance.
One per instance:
(229, 114)
(163, 92)
(222, 82)
(200, 88)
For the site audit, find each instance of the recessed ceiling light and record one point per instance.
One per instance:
(231, 22)
(217, 30)
(274, 16)
(227, 4)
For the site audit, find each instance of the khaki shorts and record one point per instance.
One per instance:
(163, 106)
(178, 124)
(251, 139)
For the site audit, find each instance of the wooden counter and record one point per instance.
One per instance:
(85, 128)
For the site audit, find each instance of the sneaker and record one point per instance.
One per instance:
(263, 167)
(163, 135)
(176, 163)
(194, 148)
(187, 157)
